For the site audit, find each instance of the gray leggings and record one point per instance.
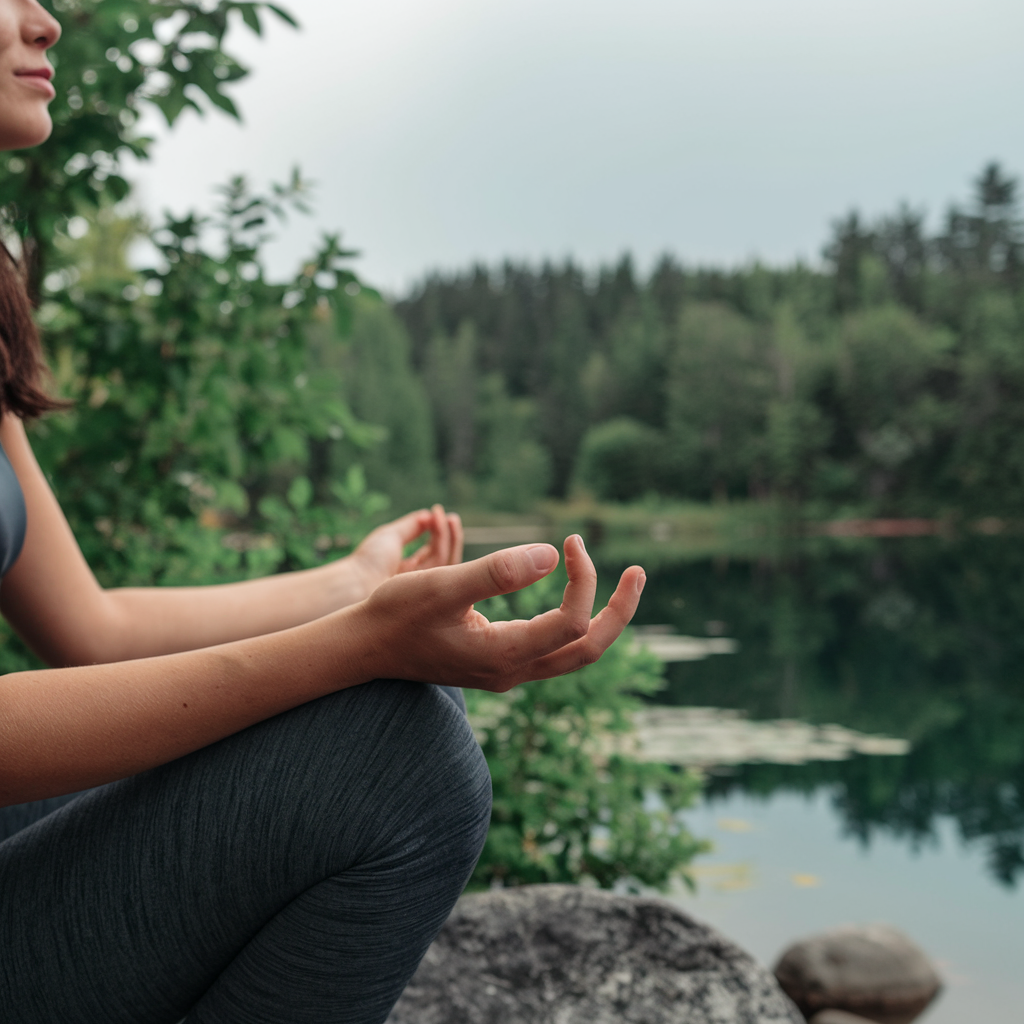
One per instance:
(294, 873)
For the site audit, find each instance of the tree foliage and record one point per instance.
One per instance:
(201, 444)
(889, 380)
(202, 425)
(115, 59)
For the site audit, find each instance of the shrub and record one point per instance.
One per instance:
(569, 805)
(620, 459)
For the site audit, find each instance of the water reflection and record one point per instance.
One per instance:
(919, 639)
(709, 738)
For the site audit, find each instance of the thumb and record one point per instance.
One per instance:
(500, 572)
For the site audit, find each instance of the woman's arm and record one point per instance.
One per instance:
(52, 598)
(166, 620)
(62, 730)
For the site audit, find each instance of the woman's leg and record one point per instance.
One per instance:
(295, 872)
(14, 819)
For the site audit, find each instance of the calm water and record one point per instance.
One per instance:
(921, 640)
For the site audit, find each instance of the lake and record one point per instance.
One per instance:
(910, 808)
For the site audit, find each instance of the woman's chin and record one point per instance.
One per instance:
(23, 133)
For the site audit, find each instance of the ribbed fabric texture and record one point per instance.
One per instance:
(294, 873)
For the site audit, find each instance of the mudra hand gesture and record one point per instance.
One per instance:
(380, 555)
(424, 626)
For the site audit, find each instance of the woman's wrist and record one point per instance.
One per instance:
(346, 581)
(358, 577)
(356, 631)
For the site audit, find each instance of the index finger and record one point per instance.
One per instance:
(412, 524)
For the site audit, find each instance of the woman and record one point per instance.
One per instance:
(271, 824)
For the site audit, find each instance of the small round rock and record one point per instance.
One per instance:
(838, 1017)
(873, 971)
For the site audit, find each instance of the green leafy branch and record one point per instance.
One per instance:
(571, 802)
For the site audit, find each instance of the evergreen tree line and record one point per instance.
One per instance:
(889, 380)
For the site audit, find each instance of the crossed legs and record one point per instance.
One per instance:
(293, 873)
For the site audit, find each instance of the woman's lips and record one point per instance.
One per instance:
(38, 78)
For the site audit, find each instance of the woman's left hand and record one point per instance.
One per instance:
(380, 554)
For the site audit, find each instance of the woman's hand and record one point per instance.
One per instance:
(379, 556)
(423, 626)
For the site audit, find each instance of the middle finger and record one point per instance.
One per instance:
(604, 629)
(458, 538)
(528, 640)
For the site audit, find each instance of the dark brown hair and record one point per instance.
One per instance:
(22, 369)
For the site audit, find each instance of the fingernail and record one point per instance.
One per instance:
(640, 581)
(544, 557)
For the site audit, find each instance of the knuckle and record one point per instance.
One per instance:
(497, 680)
(507, 663)
(576, 627)
(503, 571)
(588, 654)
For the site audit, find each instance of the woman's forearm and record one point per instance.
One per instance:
(145, 622)
(63, 730)
(53, 600)
(149, 621)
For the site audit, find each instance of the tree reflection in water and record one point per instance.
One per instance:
(921, 639)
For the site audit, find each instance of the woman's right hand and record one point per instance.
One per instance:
(422, 625)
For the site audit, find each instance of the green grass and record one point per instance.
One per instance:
(652, 531)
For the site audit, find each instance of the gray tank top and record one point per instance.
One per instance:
(12, 514)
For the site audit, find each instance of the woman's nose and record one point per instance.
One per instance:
(38, 27)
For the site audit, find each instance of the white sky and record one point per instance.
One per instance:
(443, 131)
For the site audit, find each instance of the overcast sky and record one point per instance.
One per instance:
(445, 131)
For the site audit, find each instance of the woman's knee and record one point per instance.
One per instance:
(365, 774)
(459, 781)
(411, 754)
(433, 760)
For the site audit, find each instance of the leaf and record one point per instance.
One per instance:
(223, 102)
(250, 15)
(300, 493)
(283, 15)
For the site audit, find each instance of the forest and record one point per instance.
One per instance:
(888, 379)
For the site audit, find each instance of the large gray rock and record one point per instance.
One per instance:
(560, 954)
(871, 970)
